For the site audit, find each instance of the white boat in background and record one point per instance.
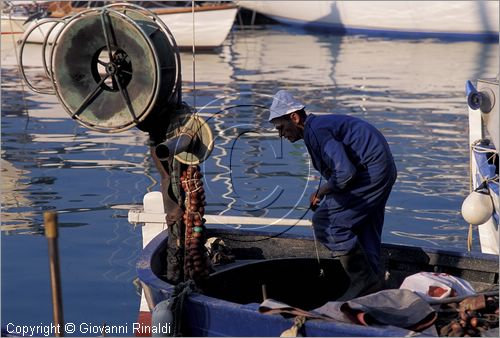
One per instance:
(15, 14)
(459, 19)
(212, 24)
(12, 25)
(481, 208)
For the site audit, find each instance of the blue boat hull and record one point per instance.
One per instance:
(211, 315)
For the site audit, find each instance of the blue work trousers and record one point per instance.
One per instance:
(356, 215)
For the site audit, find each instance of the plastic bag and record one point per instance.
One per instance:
(432, 285)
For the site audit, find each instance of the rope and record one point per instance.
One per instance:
(194, 58)
(321, 271)
(178, 298)
(481, 149)
(469, 234)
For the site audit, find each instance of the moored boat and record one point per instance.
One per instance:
(445, 19)
(12, 24)
(15, 14)
(212, 24)
(287, 267)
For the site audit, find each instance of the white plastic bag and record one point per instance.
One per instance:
(432, 285)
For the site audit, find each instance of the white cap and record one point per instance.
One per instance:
(283, 104)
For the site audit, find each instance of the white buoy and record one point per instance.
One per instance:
(477, 208)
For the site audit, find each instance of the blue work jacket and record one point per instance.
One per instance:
(348, 152)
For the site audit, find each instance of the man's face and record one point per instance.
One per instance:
(286, 128)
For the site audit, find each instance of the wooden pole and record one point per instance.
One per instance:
(50, 222)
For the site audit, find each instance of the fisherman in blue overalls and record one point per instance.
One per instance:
(357, 164)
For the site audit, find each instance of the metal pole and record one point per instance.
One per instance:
(173, 146)
(50, 222)
(264, 292)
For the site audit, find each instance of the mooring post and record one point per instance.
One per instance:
(50, 222)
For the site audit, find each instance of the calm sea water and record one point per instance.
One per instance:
(413, 91)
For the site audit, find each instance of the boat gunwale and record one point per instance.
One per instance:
(199, 301)
(161, 11)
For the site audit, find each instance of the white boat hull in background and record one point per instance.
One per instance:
(212, 26)
(12, 25)
(418, 17)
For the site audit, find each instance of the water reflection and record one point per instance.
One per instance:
(40, 141)
(14, 198)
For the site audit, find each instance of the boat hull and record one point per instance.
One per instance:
(447, 19)
(12, 25)
(212, 26)
(216, 313)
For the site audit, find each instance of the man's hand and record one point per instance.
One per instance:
(317, 196)
(314, 200)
